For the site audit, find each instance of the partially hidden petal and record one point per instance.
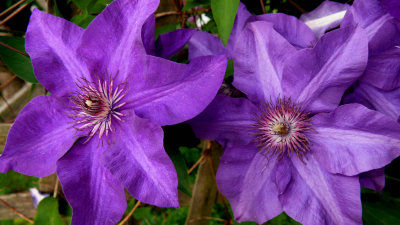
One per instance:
(95, 196)
(369, 14)
(247, 178)
(259, 54)
(354, 139)
(51, 43)
(386, 102)
(383, 69)
(327, 15)
(136, 157)
(242, 15)
(169, 44)
(148, 35)
(168, 93)
(392, 6)
(315, 196)
(112, 42)
(40, 135)
(318, 77)
(202, 44)
(374, 179)
(226, 119)
(292, 29)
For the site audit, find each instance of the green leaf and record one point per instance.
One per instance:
(181, 170)
(283, 218)
(224, 12)
(177, 216)
(142, 213)
(229, 68)
(12, 182)
(47, 212)
(82, 20)
(17, 221)
(380, 209)
(57, 11)
(165, 29)
(91, 6)
(18, 64)
(193, 3)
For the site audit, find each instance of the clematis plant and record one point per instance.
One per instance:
(289, 146)
(100, 129)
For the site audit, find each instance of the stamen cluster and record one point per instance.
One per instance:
(96, 104)
(281, 127)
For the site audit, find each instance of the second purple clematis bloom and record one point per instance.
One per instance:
(100, 129)
(289, 146)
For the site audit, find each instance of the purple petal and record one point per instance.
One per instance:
(95, 196)
(203, 43)
(40, 135)
(369, 14)
(354, 139)
(112, 42)
(383, 70)
(259, 55)
(326, 16)
(240, 22)
(295, 31)
(357, 97)
(386, 102)
(226, 119)
(136, 157)
(318, 77)
(51, 43)
(315, 196)
(148, 35)
(169, 44)
(392, 6)
(247, 179)
(374, 179)
(168, 93)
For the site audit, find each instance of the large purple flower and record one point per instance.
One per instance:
(100, 128)
(326, 16)
(289, 146)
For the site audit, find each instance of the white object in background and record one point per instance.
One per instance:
(202, 20)
(326, 16)
(37, 196)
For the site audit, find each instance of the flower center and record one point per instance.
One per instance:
(281, 129)
(96, 105)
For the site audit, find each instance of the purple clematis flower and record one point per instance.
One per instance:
(296, 32)
(382, 68)
(379, 88)
(100, 129)
(289, 146)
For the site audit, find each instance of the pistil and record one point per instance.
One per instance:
(96, 105)
(281, 129)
